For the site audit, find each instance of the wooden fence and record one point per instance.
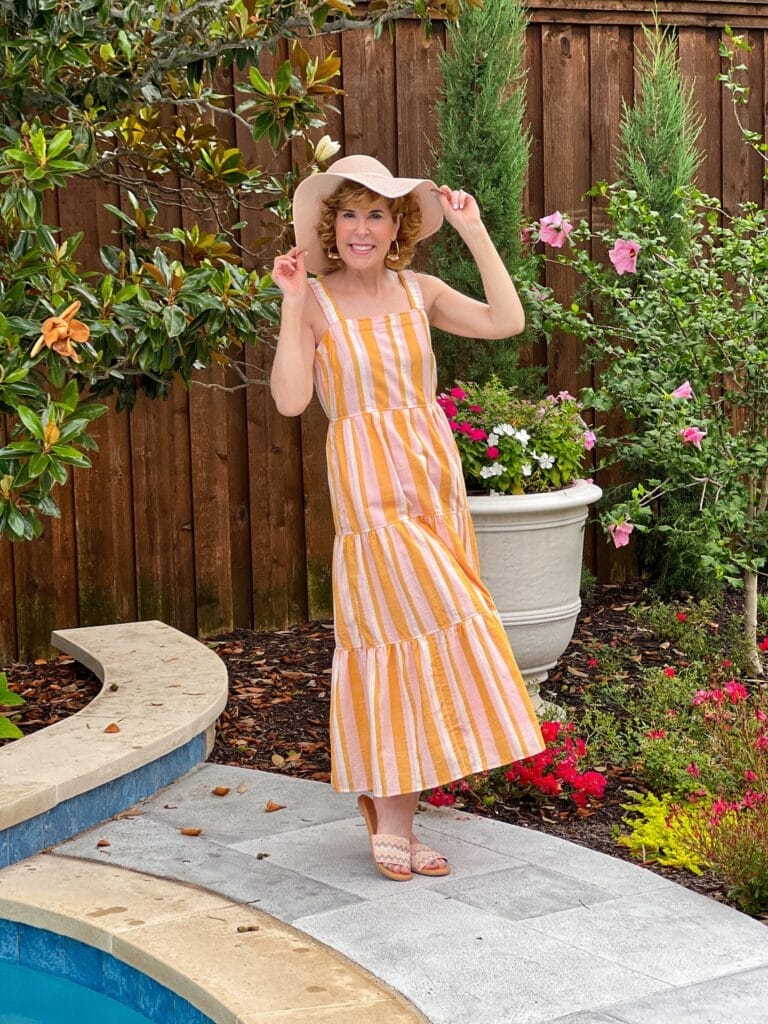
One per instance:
(209, 510)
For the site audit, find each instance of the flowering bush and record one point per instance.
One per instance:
(509, 445)
(679, 338)
(553, 772)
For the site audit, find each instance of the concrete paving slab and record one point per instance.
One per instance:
(462, 965)
(339, 854)
(145, 845)
(544, 850)
(736, 999)
(240, 816)
(523, 892)
(708, 939)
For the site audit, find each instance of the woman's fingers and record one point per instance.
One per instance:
(457, 199)
(289, 263)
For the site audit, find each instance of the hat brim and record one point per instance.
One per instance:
(312, 191)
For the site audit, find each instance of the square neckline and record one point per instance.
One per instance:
(330, 308)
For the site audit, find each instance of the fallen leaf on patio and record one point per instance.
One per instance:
(272, 806)
(242, 788)
(129, 814)
(190, 831)
(278, 761)
(220, 790)
(103, 842)
(247, 927)
(112, 727)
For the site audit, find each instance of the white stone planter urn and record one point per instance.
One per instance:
(531, 548)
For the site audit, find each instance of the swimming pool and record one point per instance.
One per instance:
(47, 978)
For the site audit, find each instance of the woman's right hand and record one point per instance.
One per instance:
(290, 275)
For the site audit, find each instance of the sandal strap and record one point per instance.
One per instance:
(391, 850)
(421, 855)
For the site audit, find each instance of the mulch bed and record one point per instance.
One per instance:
(277, 714)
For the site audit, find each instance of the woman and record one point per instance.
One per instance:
(425, 689)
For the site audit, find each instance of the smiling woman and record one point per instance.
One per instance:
(425, 688)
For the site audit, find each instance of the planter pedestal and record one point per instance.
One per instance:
(531, 548)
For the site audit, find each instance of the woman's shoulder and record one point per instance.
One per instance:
(430, 287)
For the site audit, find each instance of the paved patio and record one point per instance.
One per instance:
(527, 929)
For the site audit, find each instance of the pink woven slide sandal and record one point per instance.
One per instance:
(385, 849)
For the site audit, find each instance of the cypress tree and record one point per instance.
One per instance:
(483, 148)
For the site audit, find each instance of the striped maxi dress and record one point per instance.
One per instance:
(424, 687)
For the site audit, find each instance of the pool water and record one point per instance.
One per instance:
(31, 997)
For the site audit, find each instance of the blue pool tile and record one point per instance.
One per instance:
(73, 816)
(26, 838)
(4, 843)
(42, 951)
(9, 942)
(155, 1000)
(186, 1013)
(121, 982)
(85, 965)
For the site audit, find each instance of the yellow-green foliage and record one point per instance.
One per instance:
(666, 830)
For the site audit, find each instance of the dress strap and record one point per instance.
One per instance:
(323, 296)
(411, 285)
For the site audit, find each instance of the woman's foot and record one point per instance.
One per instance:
(391, 852)
(427, 862)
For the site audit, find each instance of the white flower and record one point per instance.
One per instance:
(523, 437)
(325, 149)
(527, 468)
(545, 461)
(504, 428)
(493, 440)
(495, 470)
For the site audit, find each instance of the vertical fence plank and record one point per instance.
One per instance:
(370, 112)
(103, 503)
(742, 167)
(699, 65)
(417, 84)
(567, 170)
(611, 82)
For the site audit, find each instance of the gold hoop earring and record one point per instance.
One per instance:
(393, 257)
(333, 254)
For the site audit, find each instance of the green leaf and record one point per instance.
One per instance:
(8, 698)
(32, 422)
(174, 321)
(9, 731)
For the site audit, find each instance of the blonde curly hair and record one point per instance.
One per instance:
(349, 193)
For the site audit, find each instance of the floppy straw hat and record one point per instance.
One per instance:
(364, 170)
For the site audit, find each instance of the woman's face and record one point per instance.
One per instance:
(365, 232)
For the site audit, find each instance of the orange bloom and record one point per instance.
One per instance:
(60, 333)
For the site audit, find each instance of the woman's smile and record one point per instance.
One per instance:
(362, 231)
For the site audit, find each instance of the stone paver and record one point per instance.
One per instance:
(528, 929)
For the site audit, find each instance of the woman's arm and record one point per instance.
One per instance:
(501, 315)
(292, 369)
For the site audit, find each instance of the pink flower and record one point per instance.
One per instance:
(453, 424)
(458, 393)
(550, 731)
(749, 775)
(465, 428)
(525, 236)
(623, 256)
(620, 533)
(565, 396)
(475, 408)
(684, 391)
(656, 734)
(492, 453)
(736, 692)
(477, 434)
(554, 229)
(449, 409)
(670, 672)
(589, 440)
(693, 770)
(761, 743)
(692, 435)
(760, 715)
(727, 664)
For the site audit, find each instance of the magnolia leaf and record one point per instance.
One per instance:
(190, 831)
(272, 806)
(9, 731)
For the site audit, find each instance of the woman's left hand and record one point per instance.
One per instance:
(459, 207)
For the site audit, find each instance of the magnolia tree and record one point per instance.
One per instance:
(131, 94)
(681, 340)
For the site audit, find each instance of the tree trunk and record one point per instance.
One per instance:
(750, 620)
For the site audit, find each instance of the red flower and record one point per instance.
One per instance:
(656, 734)
(670, 672)
(439, 798)
(693, 770)
(681, 616)
(763, 645)
(550, 731)
(492, 453)
(593, 662)
(458, 393)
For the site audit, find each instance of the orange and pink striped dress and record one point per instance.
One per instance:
(425, 689)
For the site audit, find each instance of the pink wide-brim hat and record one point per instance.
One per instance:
(363, 170)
